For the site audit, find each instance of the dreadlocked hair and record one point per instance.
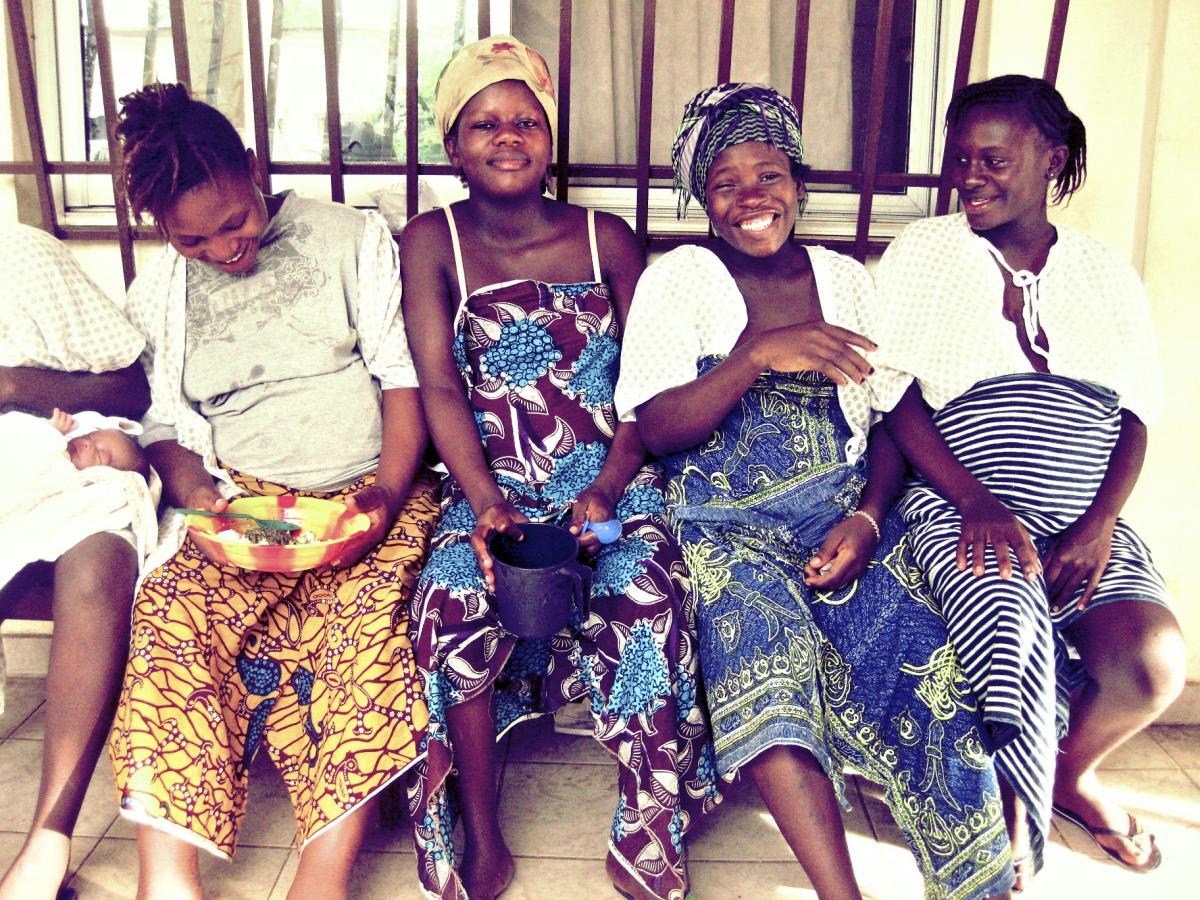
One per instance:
(1046, 111)
(172, 144)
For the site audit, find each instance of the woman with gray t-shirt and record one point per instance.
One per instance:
(278, 363)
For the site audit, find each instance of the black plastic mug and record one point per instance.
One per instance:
(539, 580)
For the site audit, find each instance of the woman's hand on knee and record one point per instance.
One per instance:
(844, 554)
(1078, 556)
(503, 518)
(985, 520)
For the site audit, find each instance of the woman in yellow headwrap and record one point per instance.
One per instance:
(515, 306)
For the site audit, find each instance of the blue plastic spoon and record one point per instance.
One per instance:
(607, 532)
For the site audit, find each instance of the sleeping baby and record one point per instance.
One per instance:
(68, 477)
(96, 440)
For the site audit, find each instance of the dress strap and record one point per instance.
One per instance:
(458, 259)
(592, 244)
(1031, 296)
(458, 266)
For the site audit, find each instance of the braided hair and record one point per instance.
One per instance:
(1046, 111)
(172, 144)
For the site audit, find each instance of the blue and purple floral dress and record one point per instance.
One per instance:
(539, 362)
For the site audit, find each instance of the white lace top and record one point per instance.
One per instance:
(940, 316)
(688, 306)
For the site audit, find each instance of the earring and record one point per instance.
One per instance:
(1050, 173)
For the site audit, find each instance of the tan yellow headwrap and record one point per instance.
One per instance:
(500, 57)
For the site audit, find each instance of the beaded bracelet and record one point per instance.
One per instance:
(870, 518)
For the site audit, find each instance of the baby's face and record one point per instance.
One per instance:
(107, 447)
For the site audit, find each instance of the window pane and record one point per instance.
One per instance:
(371, 75)
(606, 71)
(139, 32)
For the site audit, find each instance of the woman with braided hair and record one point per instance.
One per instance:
(820, 645)
(1035, 374)
(277, 363)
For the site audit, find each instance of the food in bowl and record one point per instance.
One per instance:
(326, 526)
(254, 535)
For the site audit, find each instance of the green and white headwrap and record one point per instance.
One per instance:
(720, 117)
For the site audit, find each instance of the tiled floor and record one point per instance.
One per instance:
(557, 798)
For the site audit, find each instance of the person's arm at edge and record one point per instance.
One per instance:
(427, 303)
(185, 481)
(123, 392)
(428, 300)
(623, 263)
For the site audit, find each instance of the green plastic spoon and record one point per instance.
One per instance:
(268, 524)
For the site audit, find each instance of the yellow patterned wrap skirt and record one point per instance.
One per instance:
(315, 668)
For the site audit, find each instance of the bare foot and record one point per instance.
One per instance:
(486, 875)
(624, 881)
(39, 868)
(1087, 801)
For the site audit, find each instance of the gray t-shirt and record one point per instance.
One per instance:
(272, 358)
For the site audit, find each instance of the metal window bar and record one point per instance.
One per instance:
(183, 65)
(645, 108)
(866, 181)
(115, 155)
(563, 125)
(870, 175)
(258, 91)
(1058, 26)
(333, 107)
(962, 69)
(800, 57)
(411, 163)
(33, 119)
(725, 50)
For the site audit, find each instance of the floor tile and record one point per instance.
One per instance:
(546, 879)
(1069, 874)
(111, 872)
(1167, 803)
(558, 810)
(20, 772)
(269, 820)
(10, 846)
(739, 881)
(1142, 751)
(739, 829)
(1181, 742)
(22, 697)
(283, 883)
(537, 741)
(384, 876)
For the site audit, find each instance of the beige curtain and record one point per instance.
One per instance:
(606, 65)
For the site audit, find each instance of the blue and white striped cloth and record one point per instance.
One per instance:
(1040, 444)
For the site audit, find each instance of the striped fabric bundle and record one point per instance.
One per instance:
(1040, 444)
(720, 117)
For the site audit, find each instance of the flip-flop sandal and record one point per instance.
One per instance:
(1023, 872)
(1153, 861)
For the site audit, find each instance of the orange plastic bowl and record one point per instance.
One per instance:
(330, 522)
